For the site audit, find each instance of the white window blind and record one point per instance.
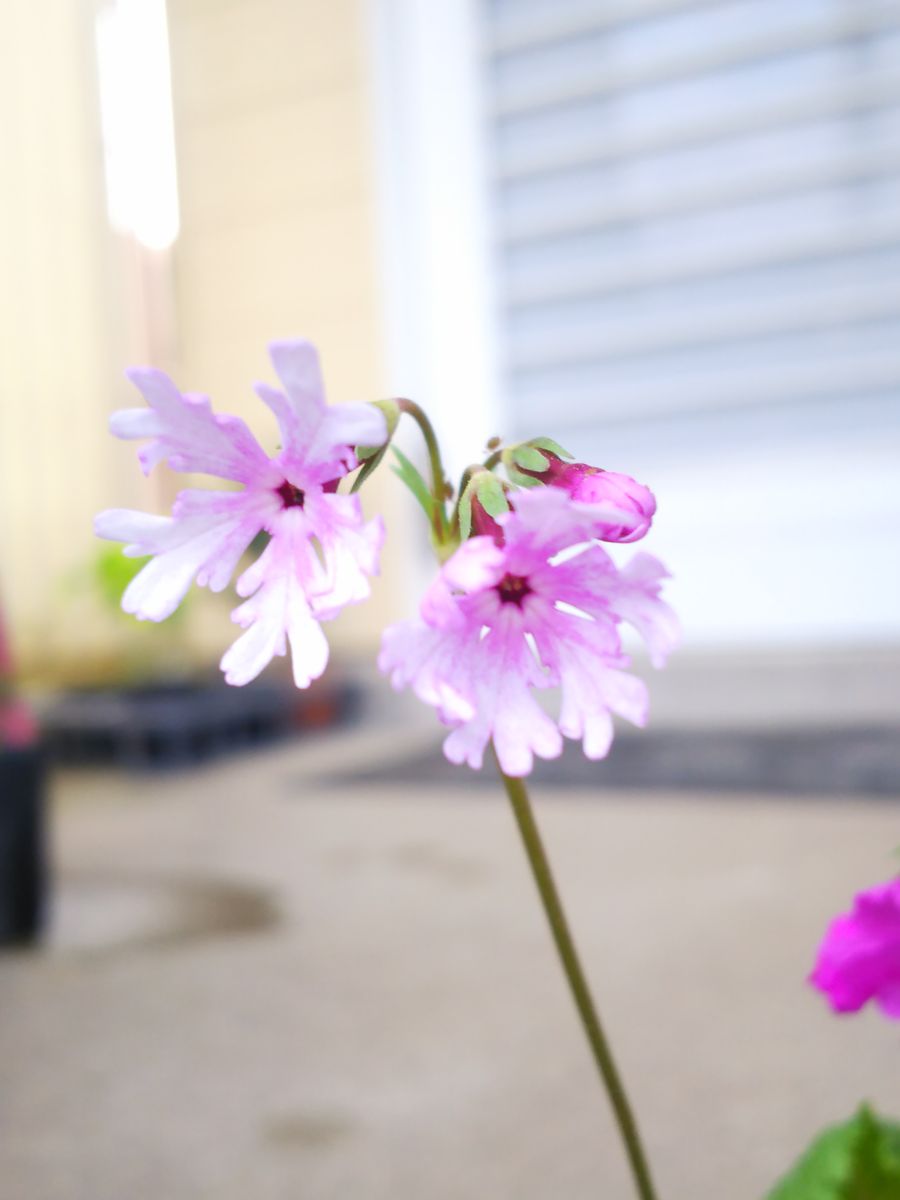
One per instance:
(695, 208)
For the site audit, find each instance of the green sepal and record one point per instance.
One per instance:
(529, 459)
(491, 495)
(859, 1160)
(515, 475)
(464, 513)
(371, 456)
(545, 443)
(407, 473)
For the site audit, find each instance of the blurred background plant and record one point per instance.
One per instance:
(137, 651)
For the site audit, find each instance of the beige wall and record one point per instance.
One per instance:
(277, 197)
(57, 325)
(278, 223)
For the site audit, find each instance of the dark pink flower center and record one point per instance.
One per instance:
(291, 497)
(512, 589)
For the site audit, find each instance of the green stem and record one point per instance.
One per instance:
(438, 478)
(518, 797)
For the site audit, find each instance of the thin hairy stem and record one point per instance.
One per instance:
(543, 877)
(438, 478)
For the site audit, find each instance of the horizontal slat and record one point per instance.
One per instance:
(808, 228)
(744, 172)
(520, 24)
(590, 134)
(614, 441)
(764, 373)
(574, 71)
(697, 207)
(572, 334)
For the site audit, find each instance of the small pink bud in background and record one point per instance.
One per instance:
(17, 724)
(859, 958)
(593, 485)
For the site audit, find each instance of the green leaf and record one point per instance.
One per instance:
(113, 572)
(530, 459)
(408, 474)
(545, 443)
(859, 1160)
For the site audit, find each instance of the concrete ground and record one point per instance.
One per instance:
(261, 987)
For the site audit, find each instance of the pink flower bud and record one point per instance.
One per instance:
(483, 524)
(593, 485)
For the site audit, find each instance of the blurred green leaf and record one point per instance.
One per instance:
(859, 1160)
(407, 473)
(112, 572)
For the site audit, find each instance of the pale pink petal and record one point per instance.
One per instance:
(353, 424)
(477, 564)
(129, 525)
(189, 436)
(135, 423)
(349, 551)
(503, 671)
(350, 558)
(311, 431)
(202, 543)
(480, 685)
(592, 683)
(300, 411)
(636, 600)
(547, 520)
(279, 611)
(433, 663)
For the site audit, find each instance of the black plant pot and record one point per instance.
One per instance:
(23, 871)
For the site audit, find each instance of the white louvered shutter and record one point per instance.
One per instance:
(696, 205)
(696, 235)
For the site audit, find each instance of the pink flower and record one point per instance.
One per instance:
(859, 958)
(593, 485)
(320, 550)
(503, 621)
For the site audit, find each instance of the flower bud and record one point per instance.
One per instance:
(483, 524)
(593, 485)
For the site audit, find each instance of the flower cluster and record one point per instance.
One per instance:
(859, 959)
(319, 552)
(527, 598)
(540, 610)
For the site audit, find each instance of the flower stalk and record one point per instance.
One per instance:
(438, 478)
(559, 926)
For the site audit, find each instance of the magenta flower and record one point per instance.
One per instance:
(859, 958)
(502, 621)
(593, 485)
(320, 550)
